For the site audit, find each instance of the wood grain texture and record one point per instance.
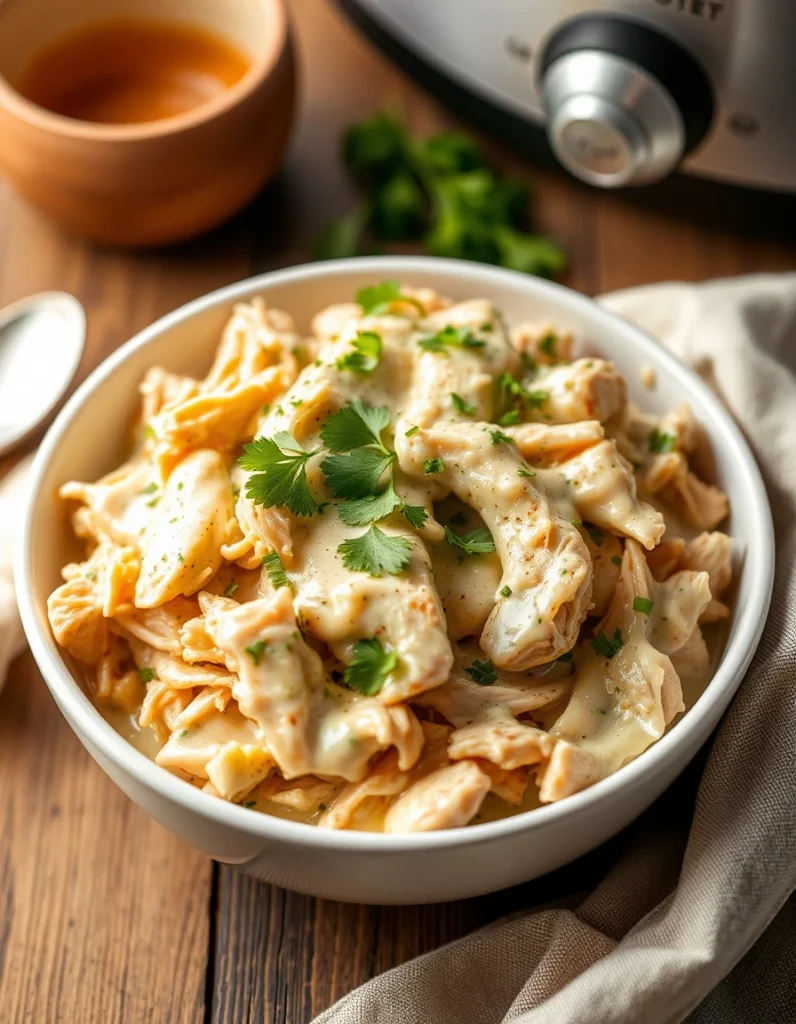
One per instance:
(104, 916)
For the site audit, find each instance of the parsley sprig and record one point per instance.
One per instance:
(376, 299)
(367, 346)
(450, 337)
(660, 443)
(482, 672)
(477, 542)
(514, 395)
(438, 191)
(376, 553)
(370, 667)
(278, 466)
(608, 646)
(360, 459)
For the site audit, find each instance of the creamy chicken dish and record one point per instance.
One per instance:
(412, 572)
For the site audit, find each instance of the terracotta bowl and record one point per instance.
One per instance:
(160, 181)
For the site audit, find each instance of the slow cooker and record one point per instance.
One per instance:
(627, 90)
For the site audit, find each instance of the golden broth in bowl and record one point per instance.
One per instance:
(130, 70)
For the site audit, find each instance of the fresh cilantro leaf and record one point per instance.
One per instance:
(398, 208)
(376, 553)
(531, 254)
(450, 337)
(508, 419)
(376, 147)
(370, 667)
(279, 474)
(276, 571)
(342, 237)
(146, 675)
(482, 672)
(376, 299)
(597, 535)
(643, 605)
(505, 591)
(255, 651)
(548, 345)
(477, 542)
(461, 406)
(498, 437)
(431, 466)
(510, 387)
(415, 514)
(608, 646)
(230, 589)
(369, 509)
(661, 443)
(366, 356)
(450, 153)
(522, 471)
(355, 426)
(356, 475)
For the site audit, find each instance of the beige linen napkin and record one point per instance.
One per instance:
(645, 946)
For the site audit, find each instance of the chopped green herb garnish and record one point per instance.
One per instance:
(153, 502)
(255, 651)
(498, 437)
(461, 406)
(377, 298)
(356, 475)
(643, 605)
(376, 553)
(366, 356)
(431, 466)
(411, 430)
(548, 345)
(478, 542)
(596, 534)
(566, 657)
(150, 488)
(505, 591)
(181, 558)
(277, 576)
(616, 559)
(608, 646)
(482, 672)
(279, 474)
(522, 471)
(370, 667)
(250, 803)
(508, 419)
(321, 807)
(661, 443)
(230, 589)
(450, 337)
(146, 675)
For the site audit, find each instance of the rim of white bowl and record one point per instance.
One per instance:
(683, 738)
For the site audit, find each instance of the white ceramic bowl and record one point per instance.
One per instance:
(87, 439)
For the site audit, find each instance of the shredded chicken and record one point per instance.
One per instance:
(524, 612)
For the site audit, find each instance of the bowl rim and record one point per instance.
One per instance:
(680, 743)
(262, 66)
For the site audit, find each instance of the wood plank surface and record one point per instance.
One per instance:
(104, 916)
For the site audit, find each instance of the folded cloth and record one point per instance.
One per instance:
(646, 945)
(12, 496)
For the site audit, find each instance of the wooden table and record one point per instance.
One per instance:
(104, 916)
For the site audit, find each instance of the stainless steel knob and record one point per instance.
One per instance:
(623, 102)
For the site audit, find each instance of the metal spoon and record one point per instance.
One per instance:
(41, 343)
